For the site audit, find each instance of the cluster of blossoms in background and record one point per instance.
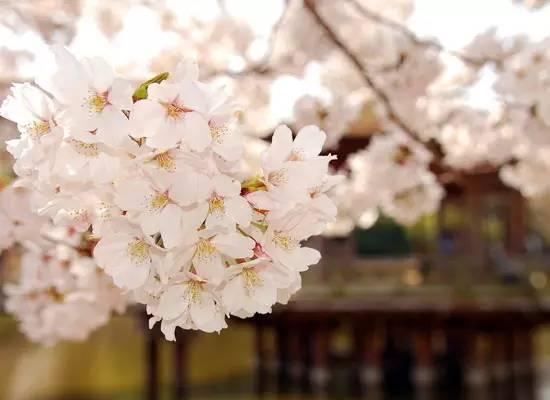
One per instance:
(58, 293)
(153, 183)
(478, 98)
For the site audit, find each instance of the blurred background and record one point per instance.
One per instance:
(436, 290)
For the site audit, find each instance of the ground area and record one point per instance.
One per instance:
(110, 365)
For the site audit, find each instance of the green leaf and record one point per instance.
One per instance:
(141, 92)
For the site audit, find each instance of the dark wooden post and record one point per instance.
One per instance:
(260, 367)
(515, 232)
(180, 364)
(320, 371)
(424, 369)
(281, 343)
(152, 366)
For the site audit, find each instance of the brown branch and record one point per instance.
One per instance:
(382, 96)
(382, 20)
(262, 67)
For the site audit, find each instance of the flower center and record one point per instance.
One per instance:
(138, 250)
(401, 155)
(283, 240)
(175, 111)
(296, 155)
(165, 162)
(55, 294)
(216, 205)
(86, 149)
(80, 215)
(277, 178)
(217, 132)
(204, 249)
(96, 102)
(37, 129)
(194, 289)
(251, 278)
(158, 201)
(321, 111)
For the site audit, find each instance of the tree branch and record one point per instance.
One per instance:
(382, 96)
(382, 20)
(261, 67)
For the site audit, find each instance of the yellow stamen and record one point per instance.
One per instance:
(194, 289)
(165, 162)
(158, 201)
(218, 132)
(204, 250)
(216, 205)
(37, 129)
(251, 278)
(277, 178)
(138, 250)
(175, 111)
(96, 102)
(55, 294)
(283, 240)
(86, 149)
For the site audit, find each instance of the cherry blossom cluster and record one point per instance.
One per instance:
(399, 168)
(58, 293)
(366, 66)
(154, 175)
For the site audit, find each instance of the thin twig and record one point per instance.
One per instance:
(261, 67)
(382, 96)
(382, 20)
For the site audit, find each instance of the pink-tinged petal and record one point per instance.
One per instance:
(171, 228)
(100, 74)
(262, 200)
(309, 141)
(145, 118)
(203, 310)
(173, 302)
(130, 276)
(280, 148)
(68, 161)
(192, 96)
(234, 245)
(120, 94)
(229, 147)
(193, 218)
(191, 187)
(104, 168)
(107, 246)
(298, 259)
(325, 205)
(149, 222)
(239, 210)
(210, 267)
(164, 92)
(166, 136)
(226, 186)
(112, 127)
(233, 294)
(264, 294)
(168, 329)
(185, 70)
(196, 131)
(63, 76)
(132, 195)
